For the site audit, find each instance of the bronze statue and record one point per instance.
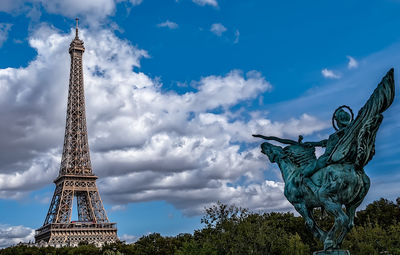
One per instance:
(336, 178)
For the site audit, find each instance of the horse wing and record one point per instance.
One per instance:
(360, 134)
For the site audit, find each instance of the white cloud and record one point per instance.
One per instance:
(206, 2)
(329, 74)
(128, 238)
(116, 208)
(4, 29)
(11, 5)
(169, 24)
(352, 63)
(136, 2)
(92, 11)
(146, 144)
(218, 29)
(237, 35)
(43, 198)
(12, 235)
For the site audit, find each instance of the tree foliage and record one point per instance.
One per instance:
(234, 230)
(383, 213)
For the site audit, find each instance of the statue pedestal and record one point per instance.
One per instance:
(332, 252)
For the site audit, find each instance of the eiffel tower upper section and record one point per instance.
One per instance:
(76, 157)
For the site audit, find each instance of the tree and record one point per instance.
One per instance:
(234, 230)
(382, 212)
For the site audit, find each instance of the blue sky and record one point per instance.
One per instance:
(174, 91)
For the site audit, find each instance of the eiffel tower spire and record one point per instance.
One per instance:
(76, 29)
(76, 179)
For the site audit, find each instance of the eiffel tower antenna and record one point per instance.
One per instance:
(76, 179)
(76, 29)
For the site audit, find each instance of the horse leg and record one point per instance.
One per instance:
(340, 225)
(351, 207)
(327, 197)
(310, 222)
(350, 212)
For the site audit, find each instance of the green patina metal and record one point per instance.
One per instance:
(337, 178)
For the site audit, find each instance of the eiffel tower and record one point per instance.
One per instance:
(76, 179)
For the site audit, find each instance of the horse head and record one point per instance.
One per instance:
(272, 151)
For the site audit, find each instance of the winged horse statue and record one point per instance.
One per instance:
(336, 181)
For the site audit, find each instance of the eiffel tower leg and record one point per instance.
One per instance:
(55, 202)
(98, 207)
(65, 207)
(85, 214)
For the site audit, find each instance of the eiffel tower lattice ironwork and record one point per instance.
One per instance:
(76, 179)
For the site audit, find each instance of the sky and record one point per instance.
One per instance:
(174, 89)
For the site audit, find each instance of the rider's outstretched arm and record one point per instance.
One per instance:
(316, 144)
(274, 138)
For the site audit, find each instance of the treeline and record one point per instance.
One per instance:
(233, 230)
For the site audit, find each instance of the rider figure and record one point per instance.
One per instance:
(343, 119)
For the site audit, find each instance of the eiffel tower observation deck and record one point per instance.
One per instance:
(76, 179)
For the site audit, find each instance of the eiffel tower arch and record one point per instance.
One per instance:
(76, 179)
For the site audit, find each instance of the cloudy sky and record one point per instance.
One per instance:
(174, 90)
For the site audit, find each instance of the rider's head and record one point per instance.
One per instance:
(300, 139)
(342, 118)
